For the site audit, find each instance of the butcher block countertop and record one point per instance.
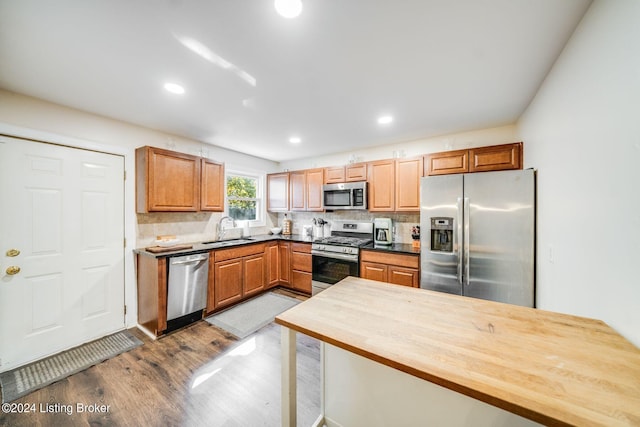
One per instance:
(552, 368)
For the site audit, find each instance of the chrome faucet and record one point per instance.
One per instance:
(222, 231)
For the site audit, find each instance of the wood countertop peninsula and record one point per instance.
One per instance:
(552, 368)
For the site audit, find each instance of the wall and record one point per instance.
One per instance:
(37, 119)
(582, 132)
(457, 141)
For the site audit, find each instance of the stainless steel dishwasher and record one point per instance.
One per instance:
(187, 289)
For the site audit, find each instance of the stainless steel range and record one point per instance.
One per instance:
(338, 256)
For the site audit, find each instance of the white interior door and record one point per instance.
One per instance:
(62, 209)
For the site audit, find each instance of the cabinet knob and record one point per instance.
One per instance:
(13, 252)
(13, 270)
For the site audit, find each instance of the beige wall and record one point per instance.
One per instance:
(457, 141)
(582, 132)
(40, 120)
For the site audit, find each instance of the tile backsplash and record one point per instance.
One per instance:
(187, 226)
(402, 222)
(200, 226)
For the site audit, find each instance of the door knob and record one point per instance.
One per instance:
(13, 252)
(12, 270)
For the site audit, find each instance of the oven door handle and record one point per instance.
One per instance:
(335, 255)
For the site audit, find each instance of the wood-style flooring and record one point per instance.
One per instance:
(197, 376)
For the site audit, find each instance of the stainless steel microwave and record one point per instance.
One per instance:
(346, 195)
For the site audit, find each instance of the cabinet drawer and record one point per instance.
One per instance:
(301, 247)
(301, 261)
(239, 252)
(402, 260)
(301, 281)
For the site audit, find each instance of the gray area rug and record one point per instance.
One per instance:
(247, 317)
(25, 379)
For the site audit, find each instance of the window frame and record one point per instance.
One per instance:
(261, 211)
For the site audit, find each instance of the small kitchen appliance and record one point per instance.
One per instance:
(383, 231)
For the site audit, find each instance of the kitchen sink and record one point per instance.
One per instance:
(228, 242)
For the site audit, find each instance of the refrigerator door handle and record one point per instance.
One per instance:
(459, 238)
(467, 242)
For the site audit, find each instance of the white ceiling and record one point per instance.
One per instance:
(437, 66)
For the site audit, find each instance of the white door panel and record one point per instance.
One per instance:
(62, 208)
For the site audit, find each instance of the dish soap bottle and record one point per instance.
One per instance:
(286, 225)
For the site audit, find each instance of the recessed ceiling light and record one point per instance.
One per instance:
(174, 88)
(295, 140)
(288, 8)
(385, 120)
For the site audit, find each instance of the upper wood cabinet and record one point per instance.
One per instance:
(496, 157)
(278, 192)
(382, 178)
(334, 175)
(305, 190)
(447, 162)
(349, 173)
(481, 159)
(407, 184)
(166, 181)
(394, 185)
(356, 172)
(212, 186)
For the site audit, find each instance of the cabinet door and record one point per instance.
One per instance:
(497, 157)
(408, 174)
(278, 192)
(447, 162)
(284, 271)
(297, 187)
(212, 186)
(373, 271)
(254, 274)
(356, 172)
(403, 276)
(314, 180)
(228, 282)
(273, 264)
(166, 181)
(334, 175)
(301, 281)
(211, 289)
(382, 186)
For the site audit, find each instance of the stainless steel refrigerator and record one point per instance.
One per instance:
(478, 235)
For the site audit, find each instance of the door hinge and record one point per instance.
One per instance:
(125, 242)
(125, 309)
(125, 175)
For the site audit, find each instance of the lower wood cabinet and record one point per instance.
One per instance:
(272, 256)
(301, 267)
(237, 274)
(284, 268)
(152, 293)
(399, 269)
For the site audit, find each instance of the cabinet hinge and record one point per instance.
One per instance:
(125, 242)
(125, 175)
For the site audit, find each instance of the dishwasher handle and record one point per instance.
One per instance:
(179, 261)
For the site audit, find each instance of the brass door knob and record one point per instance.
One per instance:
(13, 252)
(14, 269)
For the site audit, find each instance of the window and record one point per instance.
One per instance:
(244, 197)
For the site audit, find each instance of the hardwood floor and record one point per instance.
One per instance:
(197, 376)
